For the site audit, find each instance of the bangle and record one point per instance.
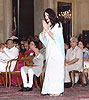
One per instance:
(66, 64)
(47, 31)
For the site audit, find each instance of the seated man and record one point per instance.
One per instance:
(73, 60)
(38, 60)
(7, 53)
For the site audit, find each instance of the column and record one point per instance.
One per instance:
(1, 21)
(7, 28)
(51, 4)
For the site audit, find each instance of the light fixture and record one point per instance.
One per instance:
(65, 15)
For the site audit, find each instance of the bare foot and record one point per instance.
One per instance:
(61, 94)
(51, 95)
(54, 94)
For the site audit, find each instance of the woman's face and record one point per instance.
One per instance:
(66, 46)
(80, 45)
(47, 17)
(32, 45)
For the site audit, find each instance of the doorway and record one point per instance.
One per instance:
(64, 11)
(23, 14)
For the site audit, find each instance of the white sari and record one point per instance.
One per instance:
(54, 75)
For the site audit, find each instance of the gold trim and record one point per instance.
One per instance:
(67, 1)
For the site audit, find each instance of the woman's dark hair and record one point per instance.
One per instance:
(36, 43)
(52, 17)
(82, 42)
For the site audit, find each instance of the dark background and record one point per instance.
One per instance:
(26, 17)
(66, 23)
(85, 35)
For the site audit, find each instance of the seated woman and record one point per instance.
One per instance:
(86, 60)
(29, 50)
(86, 53)
(66, 46)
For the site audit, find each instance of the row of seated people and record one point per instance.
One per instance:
(7, 52)
(13, 51)
(75, 53)
(73, 59)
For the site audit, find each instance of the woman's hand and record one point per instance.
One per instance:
(43, 30)
(36, 50)
(45, 25)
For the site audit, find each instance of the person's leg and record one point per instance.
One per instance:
(3, 67)
(84, 79)
(30, 74)
(67, 76)
(24, 71)
(67, 70)
(88, 73)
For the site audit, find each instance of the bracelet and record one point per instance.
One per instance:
(47, 31)
(66, 64)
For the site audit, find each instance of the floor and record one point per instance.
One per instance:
(76, 93)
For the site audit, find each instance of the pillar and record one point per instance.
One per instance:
(7, 27)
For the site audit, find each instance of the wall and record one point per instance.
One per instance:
(1, 20)
(7, 16)
(84, 17)
(38, 16)
(39, 7)
(5, 19)
(80, 16)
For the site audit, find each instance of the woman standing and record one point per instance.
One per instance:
(52, 38)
